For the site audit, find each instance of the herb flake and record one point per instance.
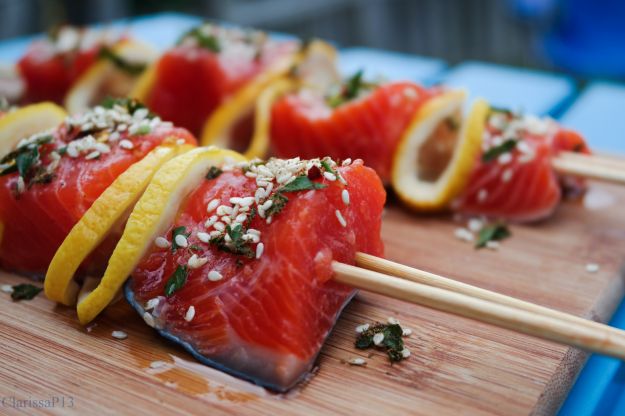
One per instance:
(302, 183)
(25, 291)
(176, 281)
(492, 232)
(392, 343)
(213, 172)
(203, 39)
(494, 152)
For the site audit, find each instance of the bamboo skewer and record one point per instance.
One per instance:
(588, 166)
(390, 268)
(595, 337)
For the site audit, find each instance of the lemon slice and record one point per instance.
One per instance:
(317, 66)
(104, 79)
(26, 121)
(437, 152)
(218, 127)
(151, 216)
(108, 210)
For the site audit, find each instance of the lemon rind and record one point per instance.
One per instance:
(107, 210)
(151, 216)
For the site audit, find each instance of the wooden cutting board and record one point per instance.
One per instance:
(457, 365)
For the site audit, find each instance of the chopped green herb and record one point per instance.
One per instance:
(25, 291)
(492, 232)
(392, 342)
(302, 183)
(349, 90)
(213, 172)
(62, 150)
(195, 247)
(237, 245)
(182, 230)
(278, 203)
(143, 130)
(204, 40)
(327, 167)
(176, 281)
(130, 104)
(492, 153)
(132, 68)
(23, 158)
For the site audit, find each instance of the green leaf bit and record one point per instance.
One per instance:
(392, 342)
(300, 183)
(494, 152)
(130, 104)
(25, 291)
(492, 232)
(236, 245)
(349, 90)
(176, 281)
(26, 160)
(203, 39)
(131, 68)
(182, 230)
(213, 172)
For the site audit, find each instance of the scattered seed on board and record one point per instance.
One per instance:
(362, 328)
(7, 289)
(119, 335)
(405, 353)
(464, 234)
(158, 364)
(592, 267)
(357, 361)
(392, 321)
(406, 332)
(149, 319)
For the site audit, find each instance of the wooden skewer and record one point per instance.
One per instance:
(390, 268)
(590, 167)
(595, 159)
(592, 336)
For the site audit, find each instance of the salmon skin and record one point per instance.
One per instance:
(367, 124)
(209, 64)
(263, 297)
(513, 178)
(51, 65)
(50, 180)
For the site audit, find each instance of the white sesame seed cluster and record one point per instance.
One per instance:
(116, 121)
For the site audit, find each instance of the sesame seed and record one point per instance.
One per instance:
(203, 237)
(345, 196)
(214, 276)
(214, 234)
(506, 176)
(93, 155)
(7, 288)
(475, 225)
(347, 162)
(362, 328)
(406, 332)
(482, 195)
(219, 226)
(212, 205)
(267, 205)
(405, 353)
(196, 262)
(224, 210)
(21, 186)
(357, 361)
(504, 158)
(152, 303)
(492, 245)
(212, 220)
(181, 240)
(269, 220)
(378, 339)
(339, 216)
(240, 218)
(190, 314)
(161, 242)
(464, 234)
(149, 319)
(126, 144)
(158, 364)
(392, 321)
(592, 267)
(119, 335)
(260, 247)
(329, 176)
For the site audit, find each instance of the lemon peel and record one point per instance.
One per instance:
(151, 216)
(433, 194)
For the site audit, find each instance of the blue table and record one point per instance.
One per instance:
(599, 113)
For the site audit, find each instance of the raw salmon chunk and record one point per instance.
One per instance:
(260, 303)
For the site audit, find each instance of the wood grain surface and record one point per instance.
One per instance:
(52, 365)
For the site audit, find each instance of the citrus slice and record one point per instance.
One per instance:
(26, 121)
(152, 214)
(317, 66)
(437, 152)
(109, 210)
(218, 127)
(104, 78)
